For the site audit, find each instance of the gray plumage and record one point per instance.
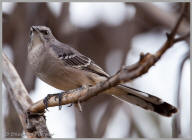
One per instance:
(63, 67)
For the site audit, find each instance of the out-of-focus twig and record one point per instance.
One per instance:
(106, 117)
(133, 124)
(176, 124)
(34, 126)
(158, 16)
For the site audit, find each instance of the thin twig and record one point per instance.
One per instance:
(124, 75)
(182, 38)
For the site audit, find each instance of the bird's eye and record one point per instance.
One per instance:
(45, 32)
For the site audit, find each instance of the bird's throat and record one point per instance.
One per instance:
(36, 40)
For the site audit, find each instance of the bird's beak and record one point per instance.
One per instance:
(33, 30)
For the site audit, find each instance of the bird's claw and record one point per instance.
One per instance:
(46, 100)
(59, 96)
(70, 105)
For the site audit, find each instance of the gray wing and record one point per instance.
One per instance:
(73, 58)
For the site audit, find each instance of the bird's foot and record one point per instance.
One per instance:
(57, 95)
(60, 96)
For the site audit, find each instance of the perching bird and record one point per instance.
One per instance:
(64, 68)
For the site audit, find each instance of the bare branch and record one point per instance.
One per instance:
(34, 126)
(124, 75)
(182, 38)
(176, 125)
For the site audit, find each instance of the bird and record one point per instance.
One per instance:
(65, 68)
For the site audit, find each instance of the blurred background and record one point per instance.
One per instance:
(113, 35)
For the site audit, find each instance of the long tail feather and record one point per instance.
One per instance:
(144, 100)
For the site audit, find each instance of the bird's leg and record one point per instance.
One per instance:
(60, 96)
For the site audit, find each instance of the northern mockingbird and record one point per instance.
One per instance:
(64, 68)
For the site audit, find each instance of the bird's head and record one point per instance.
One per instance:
(41, 32)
